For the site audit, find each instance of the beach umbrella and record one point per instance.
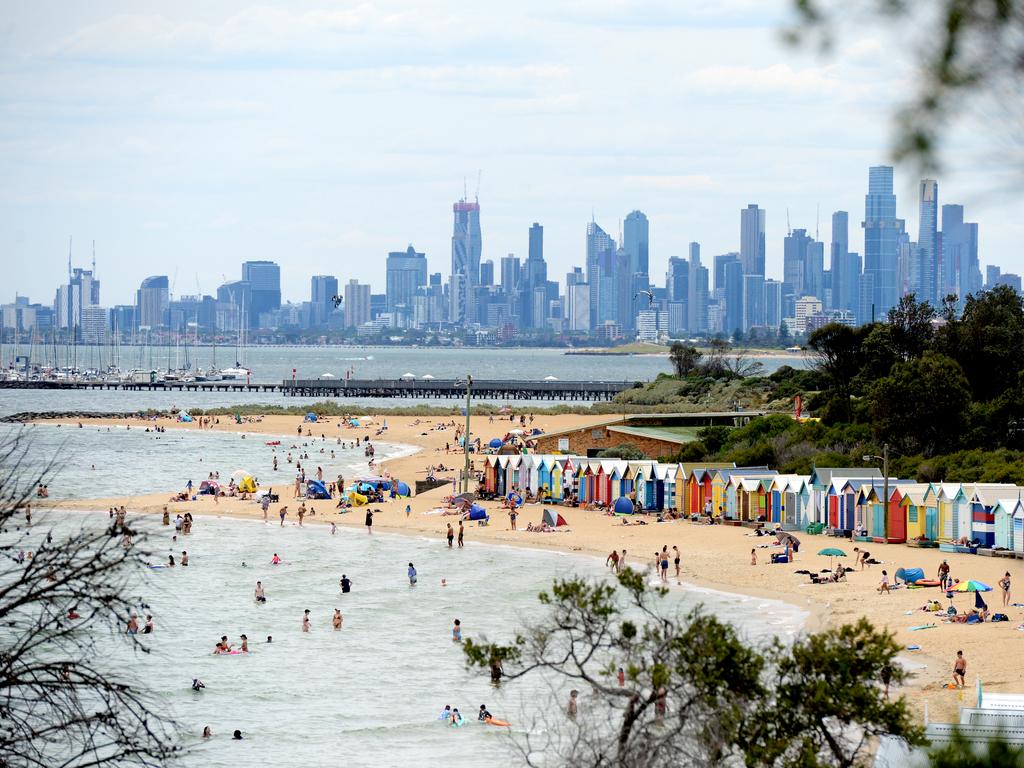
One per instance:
(832, 552)
(408, 376)
(550, 378)
(327, 376)
(495, 442)
(971, 586)
(427, 377)
(516, 499)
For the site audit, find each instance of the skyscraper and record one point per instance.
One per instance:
(600, 274)
(881, 236)
(264, 279)
(151, 301)
(466, 250)
(534, 276)
(732, 294)
(845, 267)
(752, 247)
(322, 290)
(697, 296)
(677, 279)
(636, 237)
(487, 273)
(509, 274)
(959, 255)
(406, 273)
(924, 276)
(357, 304)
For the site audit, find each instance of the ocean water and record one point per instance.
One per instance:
(367, 695)
(274, 364)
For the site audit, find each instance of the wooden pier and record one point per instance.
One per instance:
(383, 388)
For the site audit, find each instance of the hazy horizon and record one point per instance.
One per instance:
(186, 140)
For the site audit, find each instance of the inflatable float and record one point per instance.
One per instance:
(926, 583)
(273, 442)
(496, 721)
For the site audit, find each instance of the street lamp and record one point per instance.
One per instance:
(884, 458)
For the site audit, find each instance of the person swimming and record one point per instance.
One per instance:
(456, 718)
(275, 560)
(446, 712)
(484, 714)
(197, 684)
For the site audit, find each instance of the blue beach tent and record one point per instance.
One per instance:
(310, 416)
(476, 512)
(623, 506)
(315, 489)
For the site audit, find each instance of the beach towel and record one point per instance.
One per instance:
(923, 626)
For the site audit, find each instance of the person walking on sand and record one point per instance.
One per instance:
(943, 575)
(960, 670)
(265, 505)
(1004, 585)
(461, 533)
(612, 561)
(369, 521)
(451, 535)
(753, 556)
(883, 585)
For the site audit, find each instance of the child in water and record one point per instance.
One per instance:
(457, 634)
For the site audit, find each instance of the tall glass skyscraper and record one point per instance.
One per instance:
(925, 280)
(406, 274)
(466, 251)
(881, 241)
(322, 290)
(636, 238)
(264, 279)
(752, 247)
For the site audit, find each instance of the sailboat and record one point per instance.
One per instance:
(239, 371)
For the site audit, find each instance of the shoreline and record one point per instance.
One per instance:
(713, 557)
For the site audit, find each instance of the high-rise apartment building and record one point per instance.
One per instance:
(533, 277)
(487, 273)
(264, 279)
(510, 269)
(732, 295)
(466, 251)
(322, 290)
(357, 304)
(882, 232)
(406, 273)
(697, 295)
(752, 245)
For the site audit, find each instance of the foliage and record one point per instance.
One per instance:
(837, 350)
(694, 693)
(684, 358)
(626, 451)
(910, 327)
(922, 406)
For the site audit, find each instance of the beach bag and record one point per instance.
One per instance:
(1000, 617)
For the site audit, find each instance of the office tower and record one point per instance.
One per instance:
(536, 245)
(600, 275)
(697, 296)
(732, 295)
(794, 266)
(752, 247)
(82, 290)
(636, 237)
(677, 279)
(533, 276)
(323, 289)
(814, 269)
(845, 266)
(753, 301)
(151, 301)
(773, 303)
(991, 275)
(722, 261)
(577, 297)
(466, 251)
(924, 280)
(575, 277)
(960, 268)
(881, 236)
(357, 304)
(232, 296)
(487, 273)
(906, 254)
(1010, 279)
(264, 279)
(95, 324)
(406, 274)
(510, 270)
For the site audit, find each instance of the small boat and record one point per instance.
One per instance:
(232, 374)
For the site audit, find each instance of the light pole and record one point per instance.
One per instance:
(465, 442)
(884, 458)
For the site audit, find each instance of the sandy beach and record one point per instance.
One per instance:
(717, 557)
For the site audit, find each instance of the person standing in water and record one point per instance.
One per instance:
(245, 644)
(457, 631)
(451, 535)
(461, 534)
(148, 629)
(346, 584)
(337, 620)
(184, 557)
(412, 575)
(305, 620)
(369, 521)
(258, 594)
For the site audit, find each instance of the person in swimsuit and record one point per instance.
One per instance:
(170, 561)
(883, 585)
(305, 620)
(245, 643)
(664, 565)
(572, 709)
(457, 631)
(346, 583)
(943, 575)
(675, 550)
(451, 535)
(133, 624)
(338, 619)
(959, 670)
(148, 629)
(461, 533)
(259, 594)
(275, 560)
(445, 713)
(456, 718)
(412, 574)
(184, 557)
(484, 714)
(1004, 584)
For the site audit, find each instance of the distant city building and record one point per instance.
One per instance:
(357, 304)
(406, 273)
(961, 269)
(805, 307)
(264, 279)
(487, 273)
(636, 238)
(924, 260)
(697, 294)
(992, 273)
(881, 240)
(151, 302)
(651, 325)
(466, 251)
(322, 290)
(752, 244)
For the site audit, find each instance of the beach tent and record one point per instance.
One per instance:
(208, 488)
(248, 485)
(357, 499)
(909, 575)
(623, 506)
(186, 417)
(402, 489)
(476, 512)
(408, 376)
(495, 443)
(310, 416)
(553, 519)
(315, 489)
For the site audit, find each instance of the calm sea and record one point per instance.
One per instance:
(274, 364)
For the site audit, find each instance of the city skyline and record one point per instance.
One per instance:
(145, 132)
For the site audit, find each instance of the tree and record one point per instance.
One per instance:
(974, 55)
(960, 753)
(59, 703)
(837, 354)
(684, 358)
(783, 333)
(626, 451)
(922, 406)
(910, 326)
(694, 693)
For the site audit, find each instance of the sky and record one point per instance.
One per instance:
(184, 138)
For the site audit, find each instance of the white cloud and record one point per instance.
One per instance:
(775, 79)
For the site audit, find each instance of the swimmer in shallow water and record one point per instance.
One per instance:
(275, 560)
(259, 594)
